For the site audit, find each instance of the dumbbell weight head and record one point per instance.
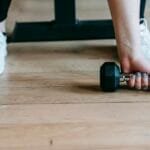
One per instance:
(109, 77)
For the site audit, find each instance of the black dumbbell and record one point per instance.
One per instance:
(111, 77)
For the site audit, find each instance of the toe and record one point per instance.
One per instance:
(131, 82)
(145, 81)
(138, 84)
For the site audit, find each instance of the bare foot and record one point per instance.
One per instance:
(137, 63)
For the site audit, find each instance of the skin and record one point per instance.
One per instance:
(3, 26)
(126, 24)
(127, 30)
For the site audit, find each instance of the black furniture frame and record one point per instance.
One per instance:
(65, 26)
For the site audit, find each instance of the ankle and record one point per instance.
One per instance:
(3, 26)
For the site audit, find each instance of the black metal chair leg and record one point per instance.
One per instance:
(142, 11)
(65, 26)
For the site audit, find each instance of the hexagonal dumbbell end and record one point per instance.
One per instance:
(109, 77)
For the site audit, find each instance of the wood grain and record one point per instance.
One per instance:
(50, 97)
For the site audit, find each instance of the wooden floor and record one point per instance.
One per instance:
(50, 97)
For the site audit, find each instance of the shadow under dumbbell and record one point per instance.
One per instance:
(87, 88)
(83, 88)
(125, 88)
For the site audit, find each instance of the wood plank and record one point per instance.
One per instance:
(49, 95)
(80, 126)
(58, 73)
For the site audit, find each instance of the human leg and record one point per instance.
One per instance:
(4, 6)
(126, 20)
